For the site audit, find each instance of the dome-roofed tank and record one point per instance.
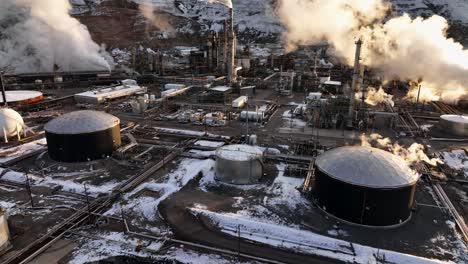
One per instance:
(82, 135)
(11, 122)
(239, 164)
(456, 125)
(364, 185)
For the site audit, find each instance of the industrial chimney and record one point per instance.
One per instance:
(355, 83)
(231, 73)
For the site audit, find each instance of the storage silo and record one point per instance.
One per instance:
(11, 123)
(4, 232)
(365, 186)
(239, 164)
(82, 135)
(456, 125)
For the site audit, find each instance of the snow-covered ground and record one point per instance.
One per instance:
(452, 9)
(192, 257)
(457, 160)
(9, 154)
(257, 18)
(65, 184)
(206, 143)
(305, 241)
(111, 244)
(250, 15)
(285, 191)
(146, 207)
(188, 132)
(291, 121)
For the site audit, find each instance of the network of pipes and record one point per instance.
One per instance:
(243, 131)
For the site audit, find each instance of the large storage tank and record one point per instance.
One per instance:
(364, 185)
(4, 232)
(456, 125)
(21, 97)
(11, 123)
(239, 164)
(82, 135)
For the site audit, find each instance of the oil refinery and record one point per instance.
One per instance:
(206, 132)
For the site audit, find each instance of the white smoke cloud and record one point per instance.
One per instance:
(36, 34)
(412, 155)
(402, 47)
(160, 21)
(376, 96)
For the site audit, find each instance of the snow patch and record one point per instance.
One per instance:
(305, 241)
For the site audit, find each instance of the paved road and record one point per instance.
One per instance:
(188, 227)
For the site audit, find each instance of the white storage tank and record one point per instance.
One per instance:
(11, 123)
(257, 116)
(456, 125)
(4, 232)
(239, 164)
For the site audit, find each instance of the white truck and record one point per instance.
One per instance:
(240, 102)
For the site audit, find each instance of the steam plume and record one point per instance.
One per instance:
(160, 21)
(414, 154)
(375, 97)
(402, 47)
(35, 35)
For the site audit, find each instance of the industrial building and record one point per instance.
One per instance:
(365, 186)
(128, 87)
(82, 136)
(233, 148)
(239, 164)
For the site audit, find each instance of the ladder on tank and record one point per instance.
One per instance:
(310, 175)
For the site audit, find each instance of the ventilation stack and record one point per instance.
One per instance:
(231, 54)
(355, 84)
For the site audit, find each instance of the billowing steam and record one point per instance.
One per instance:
(402, 47)
(160, 21)
(414, 154)
(36, 35)
(375, 97)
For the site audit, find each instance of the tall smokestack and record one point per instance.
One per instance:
(232, 48)
(355, 83)
(225, 47)
(231, 20)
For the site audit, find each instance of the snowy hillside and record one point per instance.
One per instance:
(453, 10)
(257, 19)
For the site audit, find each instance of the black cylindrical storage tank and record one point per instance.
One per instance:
(365, 186)
(82, 136)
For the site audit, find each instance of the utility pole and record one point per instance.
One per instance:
(419, 93)
(238, 242)
(5, 103)
(124, 223)
(87, 202)
(247, 120)
(28, 189)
